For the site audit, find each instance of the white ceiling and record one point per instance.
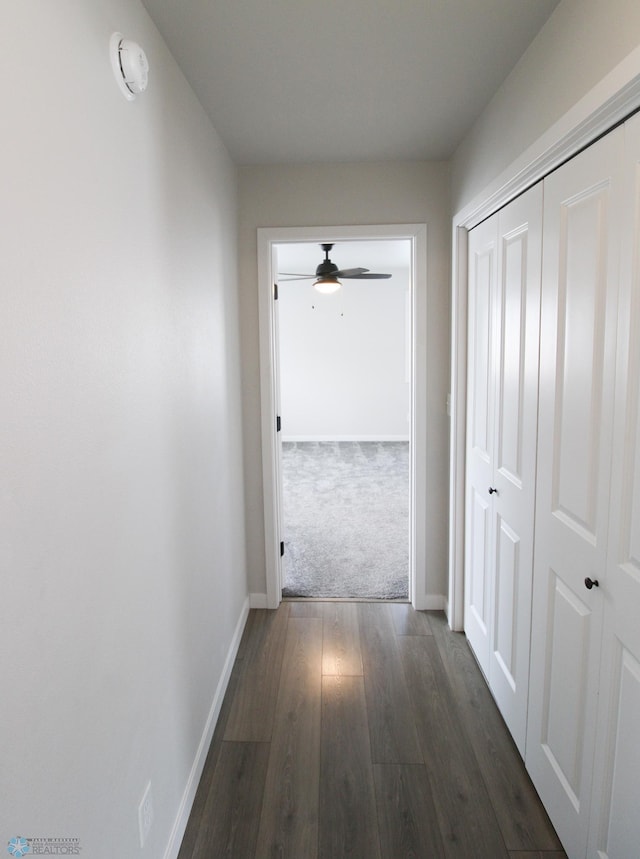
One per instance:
(296, 81)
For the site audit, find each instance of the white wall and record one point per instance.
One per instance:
(343, 360)
(344, 194)
(122, 561)
(581, 42)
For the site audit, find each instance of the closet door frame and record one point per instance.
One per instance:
(609, 103)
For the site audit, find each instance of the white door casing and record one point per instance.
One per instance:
(577, 368)
(615, 811)
(504, 312)
(267, 239)
(271, 445)
(277, 447)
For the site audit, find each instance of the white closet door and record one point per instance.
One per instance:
(615, 815)
(480, 433)
(577, 369)
(504, 315)
(515, 437)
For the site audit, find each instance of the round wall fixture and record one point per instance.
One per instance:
(130, 66)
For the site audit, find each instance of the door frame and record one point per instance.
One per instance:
(610, 102)
(271, 476)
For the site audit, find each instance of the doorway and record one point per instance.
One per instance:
(345, 404)
(268, 240)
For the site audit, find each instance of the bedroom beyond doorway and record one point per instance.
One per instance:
(345, 394)
(346, 519)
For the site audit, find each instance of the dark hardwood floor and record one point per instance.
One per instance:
(362, 730)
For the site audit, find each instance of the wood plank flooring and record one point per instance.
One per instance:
(362, 730)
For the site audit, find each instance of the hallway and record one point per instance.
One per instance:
(362, 730)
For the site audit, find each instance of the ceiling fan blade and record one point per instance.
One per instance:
(369, 275)
(285, 279)
(294, 274)
(349, 272)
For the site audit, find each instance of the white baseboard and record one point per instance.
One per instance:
(189, 795)
(436, 602)
(431, 602)
(258, 601)
(303, 438)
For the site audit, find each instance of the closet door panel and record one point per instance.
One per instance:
(615, 820)
(615, 823)
(481, 336)
(480, 545)
(479, 557)
(566, 685)
(512, 357)
(507, 599)
(577, 372)
(516, 409)
(579, 376)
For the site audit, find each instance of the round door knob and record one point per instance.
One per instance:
(492, 489)
(591, 583)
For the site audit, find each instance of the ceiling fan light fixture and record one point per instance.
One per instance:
(327, 285)
(327, 274)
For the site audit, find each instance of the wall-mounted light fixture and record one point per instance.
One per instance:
(130, 65)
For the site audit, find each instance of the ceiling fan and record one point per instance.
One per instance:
(327, 274)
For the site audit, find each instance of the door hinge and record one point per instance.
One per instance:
(278, 423)
(281, 548)
(275, 291)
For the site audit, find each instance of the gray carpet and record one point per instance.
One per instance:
(346, 519)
